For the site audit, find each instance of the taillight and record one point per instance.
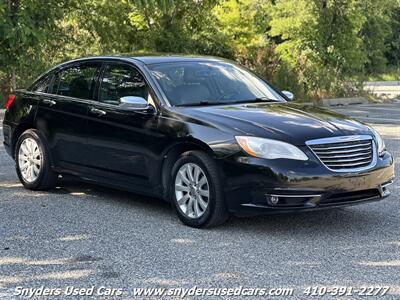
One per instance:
(10, 101)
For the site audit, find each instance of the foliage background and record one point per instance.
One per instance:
(315, 48)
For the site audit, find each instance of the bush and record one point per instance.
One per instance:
(284, 79)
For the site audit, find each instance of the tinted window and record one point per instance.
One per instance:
(42, 85)
(119, 81)
(77, 81)
(188, 83)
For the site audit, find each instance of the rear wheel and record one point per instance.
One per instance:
(33, 162)
(196, 192)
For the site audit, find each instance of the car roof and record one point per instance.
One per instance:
(167, 58)
(149, 59)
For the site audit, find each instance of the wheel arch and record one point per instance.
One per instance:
(172, 153)
(20, 129)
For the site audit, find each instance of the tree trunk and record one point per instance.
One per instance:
(13, 80)
(13, 8)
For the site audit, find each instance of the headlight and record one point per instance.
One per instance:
(270, 149)
(380, 144)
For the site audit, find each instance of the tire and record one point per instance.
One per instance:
(188, 197)
(31, 150)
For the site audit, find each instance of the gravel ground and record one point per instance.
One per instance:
(82, 235)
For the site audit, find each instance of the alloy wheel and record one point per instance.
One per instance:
(30, 159)
(192, 190)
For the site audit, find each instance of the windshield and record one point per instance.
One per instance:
(208, 83)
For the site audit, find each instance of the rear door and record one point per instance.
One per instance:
(121, 142)
(62, 113)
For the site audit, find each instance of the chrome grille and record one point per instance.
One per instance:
(346, 153)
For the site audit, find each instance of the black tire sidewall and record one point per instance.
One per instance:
(45, 161)
(203, 220)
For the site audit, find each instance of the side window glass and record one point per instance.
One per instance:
(77, 81)
(42, 86)
(120, 81)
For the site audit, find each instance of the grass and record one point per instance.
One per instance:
(392, 74)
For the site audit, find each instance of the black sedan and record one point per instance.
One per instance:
(203, 133)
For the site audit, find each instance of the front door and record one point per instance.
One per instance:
(121, 141)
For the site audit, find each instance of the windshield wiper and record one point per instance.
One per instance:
(258, 99)
(207, 102)
(203, 102)
(266, 99)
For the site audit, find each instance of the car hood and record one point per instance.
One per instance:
(294, 123)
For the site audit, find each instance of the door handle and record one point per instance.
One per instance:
(49, 102)
(98, 112)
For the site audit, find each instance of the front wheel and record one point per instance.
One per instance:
(196, 192)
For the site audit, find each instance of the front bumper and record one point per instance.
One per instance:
(259, 186)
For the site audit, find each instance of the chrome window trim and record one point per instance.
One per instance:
(94, 103)
(344, 139)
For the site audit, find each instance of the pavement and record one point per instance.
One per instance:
(384, 113)
(383, 88)
(82, 235)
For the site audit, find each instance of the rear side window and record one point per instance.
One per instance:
(42, 85)
(77, 82)
(120, 81)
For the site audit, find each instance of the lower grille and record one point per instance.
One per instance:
(352, 196)
(345, 153)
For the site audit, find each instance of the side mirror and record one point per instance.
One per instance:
(133, 103)
(288, 95)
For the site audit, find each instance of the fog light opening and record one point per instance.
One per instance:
(274, 200)
(384, 191)
(293, 200)
(384, 188)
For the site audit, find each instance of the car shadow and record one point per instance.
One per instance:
(332, 221)
(361, 219)
(75, 187)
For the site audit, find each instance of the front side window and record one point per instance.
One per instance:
(76, 82)
(197, 83)
(120, 81)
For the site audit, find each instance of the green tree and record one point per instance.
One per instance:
(245, 24)
(320, 41)
(310, 46)
(237, 23)
(375, 31)
(99, 27)
(25, 27)
(185, 26)
(392, 42)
